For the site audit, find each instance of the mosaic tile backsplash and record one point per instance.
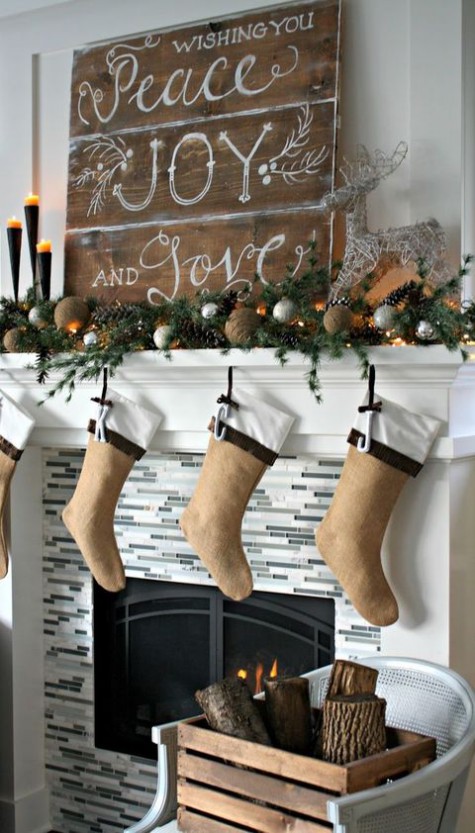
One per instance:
(95, 791)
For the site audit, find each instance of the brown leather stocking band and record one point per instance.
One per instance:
(235, 437)
(387, 455)
(10, 450)
(119, 442)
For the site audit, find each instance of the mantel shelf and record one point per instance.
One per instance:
(184, 388)
(404, 361)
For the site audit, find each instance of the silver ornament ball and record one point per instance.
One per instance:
(161, 336)
(209, 310)
(425, 331)
(284, 311)
(90, 339)
(35, 318)
(383, 317)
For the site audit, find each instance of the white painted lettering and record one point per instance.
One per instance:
(209, 40)
(185, 45)
(149, 260)
(191, 137)
(291, 24)
(199, 267)
(277, 26)
(259, 31)
(132, 276)
(117, 189)
(116, 279)
(246, 160)
(176, 88)
(223, 38)
(100, 279)
(309, 24)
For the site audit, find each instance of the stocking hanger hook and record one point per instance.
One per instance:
(364, 443)
(225, 404)
(104, 406)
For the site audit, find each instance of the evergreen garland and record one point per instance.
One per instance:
(126, 328)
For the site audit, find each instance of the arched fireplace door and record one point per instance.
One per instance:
(156, 643)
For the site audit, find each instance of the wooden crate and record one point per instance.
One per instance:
(225, 783)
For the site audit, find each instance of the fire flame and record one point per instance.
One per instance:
(259, 674)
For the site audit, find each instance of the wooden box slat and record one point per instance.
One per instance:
(253, 785)
(237, 810)
(226, 784)
(194, 823)
(264, 758)
(369, 772)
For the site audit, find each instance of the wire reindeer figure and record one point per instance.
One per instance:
(368, 252)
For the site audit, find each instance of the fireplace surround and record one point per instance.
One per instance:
(156, 643)
(427, 548)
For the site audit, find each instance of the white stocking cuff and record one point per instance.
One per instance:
(16, 424)
(398, 428)
(134, 422)
(258, 420)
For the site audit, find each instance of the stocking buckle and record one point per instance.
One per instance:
(100, 434)
(364, 443)
(223, 413)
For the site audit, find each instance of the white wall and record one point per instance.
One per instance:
(7, 8)
(408, 73)
(402, 78)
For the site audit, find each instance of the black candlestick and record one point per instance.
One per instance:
(14, 244)
(44, 270)
(32, 213)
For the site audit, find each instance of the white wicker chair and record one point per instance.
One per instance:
(421, 697)
(431, 700)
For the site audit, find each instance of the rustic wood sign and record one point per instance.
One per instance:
(198, 156)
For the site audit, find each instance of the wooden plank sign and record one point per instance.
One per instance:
(198, 156)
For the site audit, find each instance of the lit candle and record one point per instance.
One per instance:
(14, 235)
(43, 246)
(32, 213)
(32, 199)
(43, 256)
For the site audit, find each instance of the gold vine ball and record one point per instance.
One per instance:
(11, 340)
(337, 319)
(241, 325)
(71, 314)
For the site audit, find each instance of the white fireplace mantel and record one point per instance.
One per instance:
(185, 387)
(428, 548)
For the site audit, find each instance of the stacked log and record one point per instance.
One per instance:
(352, 720)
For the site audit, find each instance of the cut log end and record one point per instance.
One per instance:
(289, 714)
(353, 727)
(229, 708)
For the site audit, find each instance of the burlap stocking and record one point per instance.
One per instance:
(351, 533)
(112, 450)
(253, 436)
(16, 425)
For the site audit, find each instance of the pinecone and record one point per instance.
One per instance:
(401, 293)
(368, 334)
(113, 313)
(290, 338)
(227, 303)
(194, 335)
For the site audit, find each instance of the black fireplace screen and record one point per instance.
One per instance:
(156, 643)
